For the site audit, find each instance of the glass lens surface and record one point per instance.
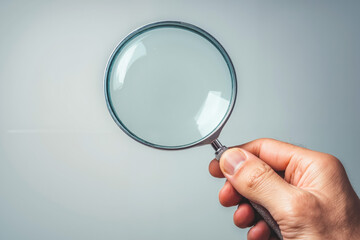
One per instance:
(169, 86)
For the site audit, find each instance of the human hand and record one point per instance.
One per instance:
(313, 200)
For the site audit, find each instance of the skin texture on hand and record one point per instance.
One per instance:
(308, 193)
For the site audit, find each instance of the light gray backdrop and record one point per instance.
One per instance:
(68, 172)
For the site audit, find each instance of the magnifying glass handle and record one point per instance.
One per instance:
(263, 212)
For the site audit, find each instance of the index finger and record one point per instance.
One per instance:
(215, 170)
(275, 153)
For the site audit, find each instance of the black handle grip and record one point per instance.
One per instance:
(264, 213)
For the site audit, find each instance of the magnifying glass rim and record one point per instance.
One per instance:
(182, 25)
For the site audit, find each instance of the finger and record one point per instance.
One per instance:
(228, 196)
(244, 216)
(275, 153)
(260, 231)
(214, 169)
(255, 180)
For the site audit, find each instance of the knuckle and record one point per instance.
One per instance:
(334, 162)
(330, 162)
(257, 176)
(262, 141)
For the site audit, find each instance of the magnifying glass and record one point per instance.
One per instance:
(171, 85)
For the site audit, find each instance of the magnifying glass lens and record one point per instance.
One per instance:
(169, 86)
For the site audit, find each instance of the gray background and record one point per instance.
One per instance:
(68, 172)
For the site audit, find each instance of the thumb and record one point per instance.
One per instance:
(255, 180)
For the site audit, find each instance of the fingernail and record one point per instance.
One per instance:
(233, 159)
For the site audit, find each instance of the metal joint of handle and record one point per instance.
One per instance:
(219, 148)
